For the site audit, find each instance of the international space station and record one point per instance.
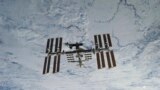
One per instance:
(103, 52)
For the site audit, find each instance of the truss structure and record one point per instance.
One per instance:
(103, 52)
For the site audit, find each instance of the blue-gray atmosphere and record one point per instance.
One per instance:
(134, 27)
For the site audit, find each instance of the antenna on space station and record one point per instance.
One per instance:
(104, 55)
